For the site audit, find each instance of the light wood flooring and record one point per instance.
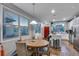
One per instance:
(66, 50)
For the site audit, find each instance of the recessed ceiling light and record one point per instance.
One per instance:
(53, 11)
(64, 18)
(54, 19)
(73, 7)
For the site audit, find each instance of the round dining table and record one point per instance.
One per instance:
(36, 44)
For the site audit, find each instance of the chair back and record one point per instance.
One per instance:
(21, 49)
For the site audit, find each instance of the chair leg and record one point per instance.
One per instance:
(48, 52)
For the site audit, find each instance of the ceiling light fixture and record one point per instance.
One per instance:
(54, 19)
(73, 7)
(33, 22)
(53, 11)
(64, 18)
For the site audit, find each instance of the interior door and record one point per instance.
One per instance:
(46, 31)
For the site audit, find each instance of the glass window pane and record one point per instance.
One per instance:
(10, 31)
(24, 30)
(23, 21)
(36, 28)
(24, 26)
(10, 17)
(10, 24)
(58, 27)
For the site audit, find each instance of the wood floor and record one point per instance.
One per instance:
(66, 50)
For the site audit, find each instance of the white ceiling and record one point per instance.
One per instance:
(43, 10)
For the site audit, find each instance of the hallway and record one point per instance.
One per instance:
(66, 50)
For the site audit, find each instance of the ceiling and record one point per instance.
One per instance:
(43, 10)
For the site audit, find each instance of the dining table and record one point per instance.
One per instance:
(35, 44)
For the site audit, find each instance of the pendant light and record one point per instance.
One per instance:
(33, 21)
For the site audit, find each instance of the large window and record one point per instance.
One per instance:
(24, 26)
(58, 27)
(10, 24)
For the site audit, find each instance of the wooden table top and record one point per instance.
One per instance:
(35, 43)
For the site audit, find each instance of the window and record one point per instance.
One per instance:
(24, 26)
(58, 27)
(10, 24)
(36, 28)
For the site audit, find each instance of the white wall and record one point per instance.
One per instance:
(10, 44)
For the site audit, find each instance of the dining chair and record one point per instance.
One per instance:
(44, 50)
(21, 50)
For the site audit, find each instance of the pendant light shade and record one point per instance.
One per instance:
(33, 22)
